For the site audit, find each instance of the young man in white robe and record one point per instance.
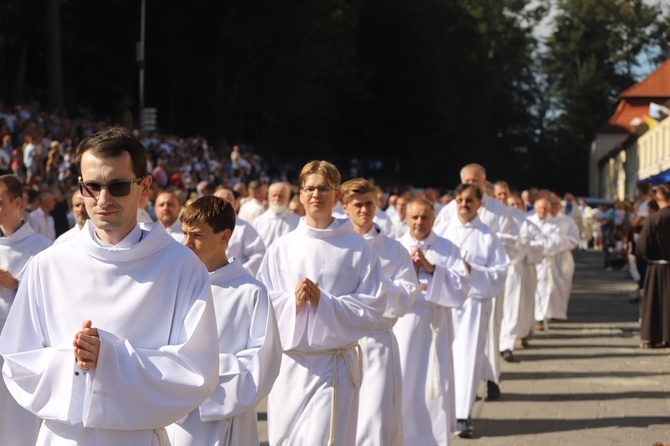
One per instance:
(543, 219)
(19, 243)
(326, 286)
(425, 333)
(496, 216)
(245, 244)
(277, 220)
(254, 207)
(565, 263)
(379, 413)
(168, 209)
(117, 325)
(80, 216)
(249, 347)
(484, 252)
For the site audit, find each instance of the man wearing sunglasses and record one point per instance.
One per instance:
(135, 305)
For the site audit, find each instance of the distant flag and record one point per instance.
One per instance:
(655, 110)
(635, 122)
(649, 121)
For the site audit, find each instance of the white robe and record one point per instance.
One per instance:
(42, 224)
(271, 225)
(519, 302)
(246, 246)
(249, 358)
(565, 267)
(251, 209)
(384, 222)
(316, 339)
(174, 230)
(18, 426)
(380, 413)
(68, 235)
(399, 226)
(424, 339)
(150, 300)
(497, 217)
(551, 242)
(488, 261)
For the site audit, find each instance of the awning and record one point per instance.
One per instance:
(661, 178)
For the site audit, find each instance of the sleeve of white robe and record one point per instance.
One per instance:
(572, 235)
(402, 288)
(247, 376)
(550, 240)
(132, 388)
(254, 250)
(489, 279)
(343, 319)
(450, 282)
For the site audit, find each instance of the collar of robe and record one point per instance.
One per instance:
(154, 238)
(337, 228)
(25, 230)
(231, 271)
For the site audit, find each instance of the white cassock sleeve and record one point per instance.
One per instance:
(571, 236)
(254, 250)
(549, 240)
(488, 279)
(402, 287)
(132, 387)
(450, 282)
(245, 376)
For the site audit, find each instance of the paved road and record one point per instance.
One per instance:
(585, 381)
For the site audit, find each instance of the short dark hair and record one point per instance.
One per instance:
(215, 211)
(112, 143)
(13, 185)
(644, 187)
(465, 186)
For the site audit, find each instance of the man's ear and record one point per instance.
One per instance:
(225, 236)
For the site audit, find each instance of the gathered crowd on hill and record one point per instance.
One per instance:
(366, 316)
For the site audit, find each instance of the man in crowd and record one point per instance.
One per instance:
(326, 286)
(380, 418)
(167, 212)
(41, 220)
(19, 243)
(488, 261)
(425, 332)
(277, 220)
(143, 354)
(398, 218)
(249, 347)
(80, 216)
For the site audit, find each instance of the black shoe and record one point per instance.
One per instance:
(507, 355)
(464, 429)
(492, 391)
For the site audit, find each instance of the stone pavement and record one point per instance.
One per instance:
(585, 381)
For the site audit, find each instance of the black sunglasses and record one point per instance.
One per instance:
(116, 188)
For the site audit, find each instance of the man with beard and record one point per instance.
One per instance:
(167, 212)
(277, 220)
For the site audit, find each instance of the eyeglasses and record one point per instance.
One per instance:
(116, 188)
(309, 190)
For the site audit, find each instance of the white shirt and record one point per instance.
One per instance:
(43, 224)
(251, 209)
(246, 246)
(175, 231)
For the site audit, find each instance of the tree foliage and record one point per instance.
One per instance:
(425, 86)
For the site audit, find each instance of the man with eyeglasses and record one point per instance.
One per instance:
(484, 253)
(19, 244)
(116, 326)
(326, 285)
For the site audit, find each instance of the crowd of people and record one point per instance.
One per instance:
(366, 317)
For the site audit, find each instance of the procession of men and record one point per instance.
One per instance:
(360, 326)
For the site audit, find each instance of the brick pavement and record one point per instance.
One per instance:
(585, 381)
